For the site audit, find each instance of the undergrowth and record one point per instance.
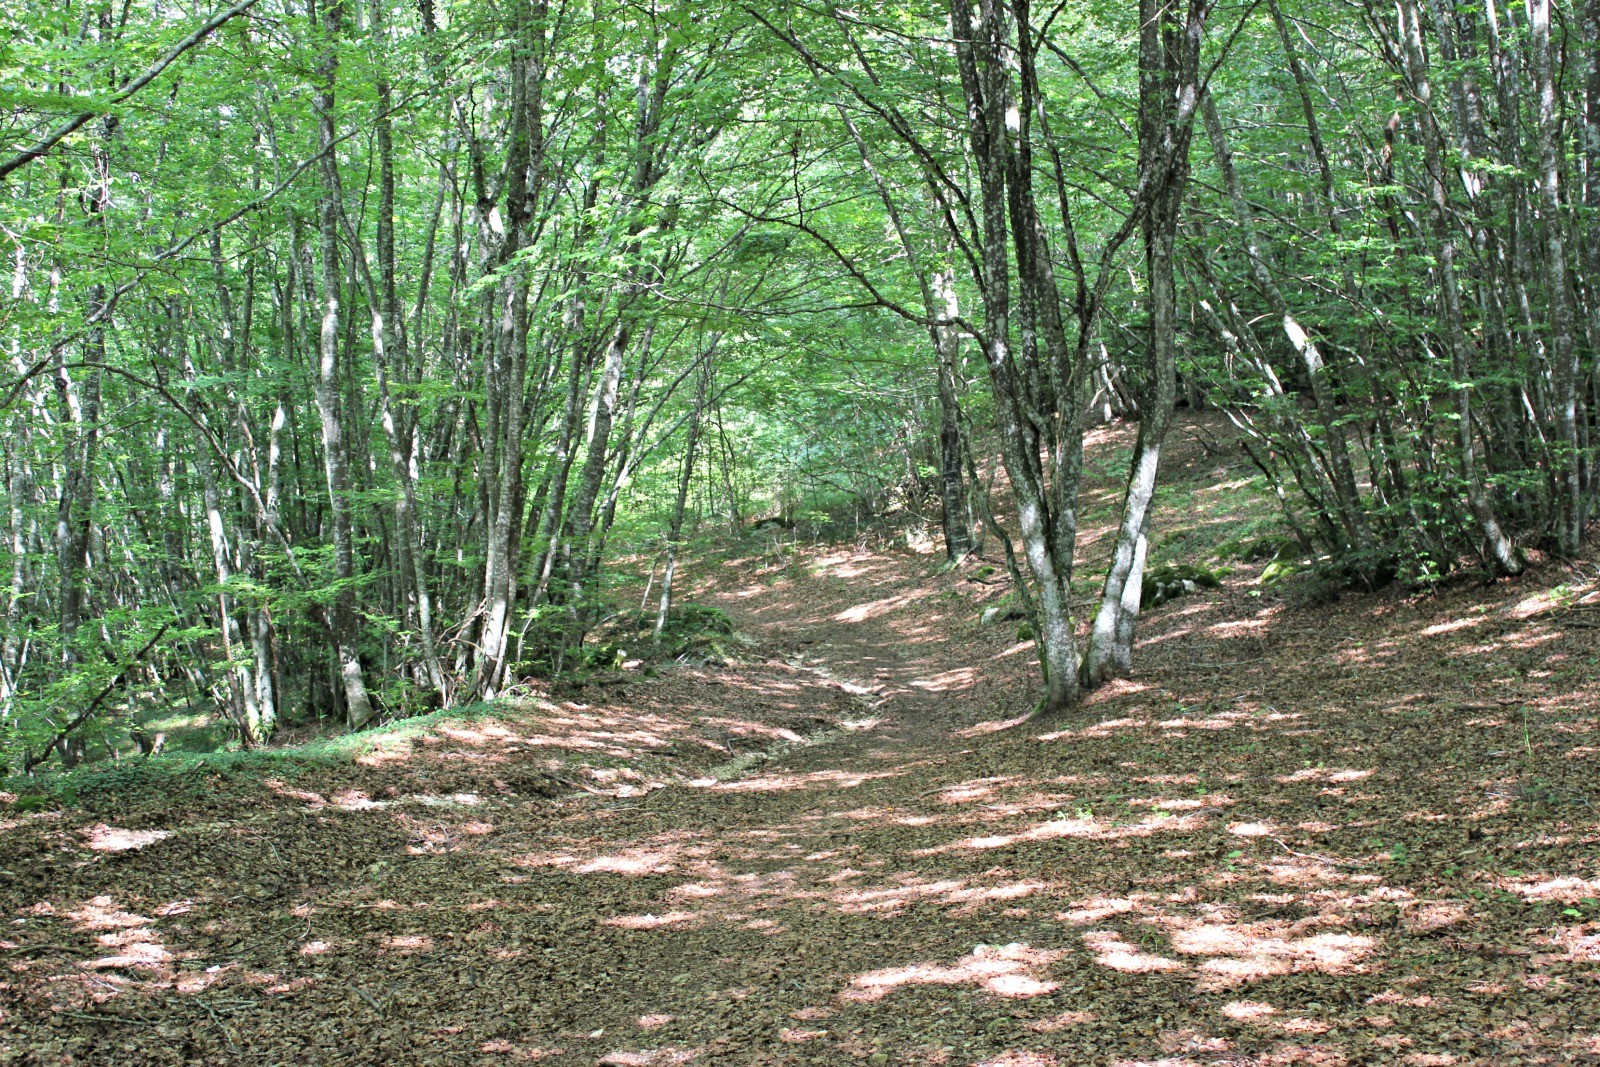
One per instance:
(192, 774)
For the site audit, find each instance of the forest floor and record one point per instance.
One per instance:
(1361, 832)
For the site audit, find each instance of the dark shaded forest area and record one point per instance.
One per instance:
(966, 533)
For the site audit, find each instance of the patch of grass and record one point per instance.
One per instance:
(192, 774)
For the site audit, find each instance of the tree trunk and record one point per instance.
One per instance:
(1452, 330)
(1167, 68)
(954, 517)
(980, 55)
(1563, 339)
(358, 705)
(675, 530)
(1342, 473)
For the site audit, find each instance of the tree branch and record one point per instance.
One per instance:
(66, 129)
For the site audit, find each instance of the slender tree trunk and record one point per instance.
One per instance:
(244, 706)
(1563, 334)
(675, 529)
(955, 518)
(580, 512)
(390, 344)
(980, 47)
(550, 522)
(509, 353)
(1452, 330)
(1167, 70)
(345, 624)
(940, 306)
(1343, 477)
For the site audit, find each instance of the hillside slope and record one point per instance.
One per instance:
(1360, 834)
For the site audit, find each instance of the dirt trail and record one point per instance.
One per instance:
(1360, 833)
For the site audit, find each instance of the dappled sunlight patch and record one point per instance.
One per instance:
(1435, 915)
(1234, 627)
(960, 678)
(949, 891)
(501, 1047)
(1002, 970)
(1175, 803)
(650, 1057)
(1325, 774)
(1576, 944)
(636, 861)
(188, 983)
(1028, 804)
(875, 609)
(1218, 722)
(1101, 729)
(780, 783)
(1020, 1059)
(102, 913)
(791, 1035)
(354, 800)
(697, 891)
(128, 939)
(851, 565)
(1169, 635)
(407, 943)
(1088, 827)
(1567, 889)
(1247, 952)
(993, 726)
(1450, 626)
(132, 952)
(103, 838)
(384, 754)
(283, 789)
(1096, 910)
(974, 789)
(747, 728)
(1188, 1039)
(1248, 1011)
(485, 735)
(1547, 601)
(1110, 950)
(1301, 1025)
(651, 922)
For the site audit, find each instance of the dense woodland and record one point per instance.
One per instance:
(350, 344)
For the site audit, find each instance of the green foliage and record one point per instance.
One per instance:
(110, 785)
(743, 263)
(700, 631)
(1254, 549)
(1169, 581)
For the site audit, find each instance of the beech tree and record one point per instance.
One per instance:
(351, 343)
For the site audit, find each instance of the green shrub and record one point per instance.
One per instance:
(1169, 581)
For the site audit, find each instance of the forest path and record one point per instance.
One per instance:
(1343, 834)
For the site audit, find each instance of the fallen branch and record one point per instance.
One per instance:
(29, 763)
(1314, 856)
(35, 950)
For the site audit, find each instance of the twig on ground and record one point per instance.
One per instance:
(34, 950)
(1314, 856)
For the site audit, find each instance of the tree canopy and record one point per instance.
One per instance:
(349, 343)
